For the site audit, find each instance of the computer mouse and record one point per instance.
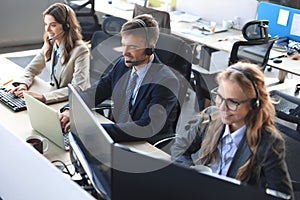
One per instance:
(276, 60)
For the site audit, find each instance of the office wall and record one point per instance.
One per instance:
(288, 3)
(217, 10)
(21, 21)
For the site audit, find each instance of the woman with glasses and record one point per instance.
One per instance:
(237, 137)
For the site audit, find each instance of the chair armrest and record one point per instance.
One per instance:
(287, 107)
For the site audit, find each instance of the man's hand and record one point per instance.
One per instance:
(64, 118)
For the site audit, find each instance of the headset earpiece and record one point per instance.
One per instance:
(149, 50)
(255, 101)
(66, 25)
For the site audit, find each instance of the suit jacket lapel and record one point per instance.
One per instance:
(241, 156)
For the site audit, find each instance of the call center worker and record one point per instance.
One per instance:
(151, 109)
(237, 137)
(64, 54)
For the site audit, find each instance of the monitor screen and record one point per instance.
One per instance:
(91, 144)
(118, 171)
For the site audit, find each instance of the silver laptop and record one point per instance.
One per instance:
(45, 120)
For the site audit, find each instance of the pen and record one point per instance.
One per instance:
(281, 56)
(7, 82)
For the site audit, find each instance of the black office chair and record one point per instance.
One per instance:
(177, 54)
(287, 107)
(105, 53)
(163, 18)
(256, 49)
(103, 47)
(86, 16)
(288, 113)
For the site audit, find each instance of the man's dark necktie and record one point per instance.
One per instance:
(124, 113)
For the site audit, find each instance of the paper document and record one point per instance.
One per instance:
(183, 16)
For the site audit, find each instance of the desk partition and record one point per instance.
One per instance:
(283, 21)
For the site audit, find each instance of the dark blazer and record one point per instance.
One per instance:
(270, 170)
(159, 87)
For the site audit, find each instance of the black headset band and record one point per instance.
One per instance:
(249, 77)
(66, 23)
(142, 24)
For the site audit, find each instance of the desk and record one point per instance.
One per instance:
(18, 122)
(287, 66)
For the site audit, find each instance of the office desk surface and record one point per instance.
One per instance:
(18, 122)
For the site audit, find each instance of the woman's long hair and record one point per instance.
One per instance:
(66, 16)
(257, 120)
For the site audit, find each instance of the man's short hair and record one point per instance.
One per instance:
(133, 26)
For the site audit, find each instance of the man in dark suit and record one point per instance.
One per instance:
(152, 109)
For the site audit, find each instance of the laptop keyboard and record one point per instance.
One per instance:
(13, 102)
(66, 141)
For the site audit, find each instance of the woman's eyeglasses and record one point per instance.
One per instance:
(231, 104)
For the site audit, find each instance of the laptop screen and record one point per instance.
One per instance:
(91, 144)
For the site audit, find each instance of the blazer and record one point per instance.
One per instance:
(75, 71)
(270, 170)
(157, 94)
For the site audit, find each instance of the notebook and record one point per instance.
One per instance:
(45, 120)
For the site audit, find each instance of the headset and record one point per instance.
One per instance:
(149, 50)
(66, 25)
(255, 101)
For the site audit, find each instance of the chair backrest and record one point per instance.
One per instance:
(256, 30)
(85, 13)
(103, 46)
(177, 54)
(81, 8)
(256, 49)
(112, 25)
(292, 143)
(162, 17)
(256, 52)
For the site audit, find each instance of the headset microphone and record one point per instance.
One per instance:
(55, 37)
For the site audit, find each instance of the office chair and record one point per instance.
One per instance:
(288, 112)
(287, 107)
(257, 46)
(162, 17)
(104, 55)
(255, 49)
(177, 54)
(103, 44)
(86, 16)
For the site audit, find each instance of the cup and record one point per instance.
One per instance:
(226, 24)
(213, 26)
(38, 142)
(202, 169)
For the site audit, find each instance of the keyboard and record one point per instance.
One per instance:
(13, 102)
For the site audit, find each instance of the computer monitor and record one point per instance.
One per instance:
(121, 172)
(90, 144)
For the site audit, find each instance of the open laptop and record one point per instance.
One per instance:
(45, 120)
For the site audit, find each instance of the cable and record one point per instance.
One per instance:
(64, 166)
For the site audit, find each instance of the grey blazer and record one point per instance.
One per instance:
(270, 170)
(75, 71)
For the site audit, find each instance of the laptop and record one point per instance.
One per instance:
(45, 120)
